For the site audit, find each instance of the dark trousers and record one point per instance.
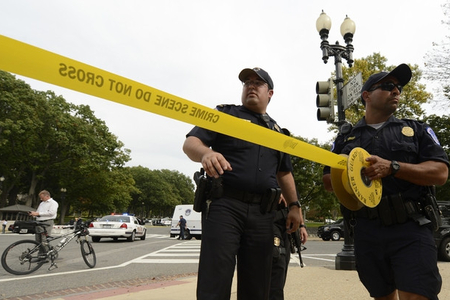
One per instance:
(182, 232)
(281, 258)
(235, 231)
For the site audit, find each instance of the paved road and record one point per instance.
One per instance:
(121, 263)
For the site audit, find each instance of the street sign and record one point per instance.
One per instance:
(352, 91)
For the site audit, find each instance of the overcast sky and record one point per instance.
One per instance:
(195, 50)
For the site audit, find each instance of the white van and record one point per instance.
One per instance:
(193, 222)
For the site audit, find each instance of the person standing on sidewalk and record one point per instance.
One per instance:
(4, 222)
(396, 256)
(236, 226)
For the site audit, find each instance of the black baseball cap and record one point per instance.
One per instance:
(243, 76)
(402, 72)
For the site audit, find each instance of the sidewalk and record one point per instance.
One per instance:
(308, 283)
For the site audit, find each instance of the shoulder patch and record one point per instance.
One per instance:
(433, 135)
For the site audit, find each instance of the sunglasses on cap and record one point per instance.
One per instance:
(387, 86)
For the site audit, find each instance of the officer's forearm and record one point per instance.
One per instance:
(195, 149)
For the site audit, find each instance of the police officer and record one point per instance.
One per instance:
(234, 225)
(182, 223)
(394, 246)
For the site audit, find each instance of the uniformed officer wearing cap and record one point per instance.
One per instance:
(394, 246)
(233, 226)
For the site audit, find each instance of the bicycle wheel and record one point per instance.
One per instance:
(21, 257)
(88, 253)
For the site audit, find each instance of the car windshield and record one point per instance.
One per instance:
(123, 219)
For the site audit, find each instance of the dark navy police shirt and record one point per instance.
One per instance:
(403, 140)
(254, 166)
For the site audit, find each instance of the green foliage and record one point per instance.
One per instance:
(308, 180)
(159, 191)
(48, 143)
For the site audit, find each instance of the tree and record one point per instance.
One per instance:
(48, 143)
(159, 191)
(308, 180)
(436, 67)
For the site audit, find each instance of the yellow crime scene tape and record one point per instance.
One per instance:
(30, 61)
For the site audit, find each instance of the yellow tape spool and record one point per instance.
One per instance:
(342, 189)
(352, 187)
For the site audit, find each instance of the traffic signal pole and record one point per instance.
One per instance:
(345, 260)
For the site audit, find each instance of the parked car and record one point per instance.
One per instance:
(442, 235)
(117, 226)
(166, 221)
(333, 231)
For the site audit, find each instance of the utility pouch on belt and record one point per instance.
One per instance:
(270, 200)
(431, 210)
(398, 205)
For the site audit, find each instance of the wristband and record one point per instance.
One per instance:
(302, 225)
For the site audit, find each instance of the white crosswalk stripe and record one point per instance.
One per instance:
(188, 252)
(181, 253)
(158, 236)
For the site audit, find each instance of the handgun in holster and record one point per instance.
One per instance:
(202, 190)
(432, 211)
(270, 200)
(208, 188)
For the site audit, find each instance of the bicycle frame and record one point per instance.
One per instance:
(26, 256)
(53, 252)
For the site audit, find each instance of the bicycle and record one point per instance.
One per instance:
(26, 256)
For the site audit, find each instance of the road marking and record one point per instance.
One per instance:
(183, 250)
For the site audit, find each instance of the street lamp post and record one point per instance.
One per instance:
(323, 25)
(345, 260)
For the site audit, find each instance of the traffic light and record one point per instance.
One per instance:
(325, 101)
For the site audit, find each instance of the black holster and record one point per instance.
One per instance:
(270, 200)
(208, 188)
(202, 190)
(432, 211)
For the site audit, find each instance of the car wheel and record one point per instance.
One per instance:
(132, 237)
(444, 249)
(95, 239)
(335, 235)
(325, 239)
(144, 235)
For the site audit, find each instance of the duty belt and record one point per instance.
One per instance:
(243, 196)
(393, 209)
